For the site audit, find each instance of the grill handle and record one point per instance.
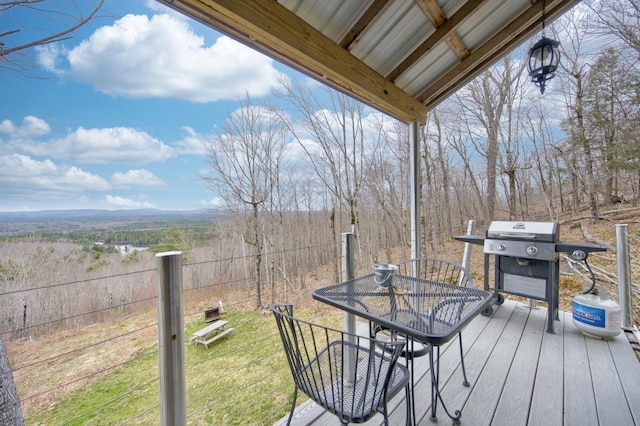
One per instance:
(517, 235)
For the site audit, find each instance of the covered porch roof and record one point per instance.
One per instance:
(401, 57)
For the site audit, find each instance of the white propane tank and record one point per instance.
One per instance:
(596, 314)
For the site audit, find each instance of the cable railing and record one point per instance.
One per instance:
(101, 363)
(96, 361)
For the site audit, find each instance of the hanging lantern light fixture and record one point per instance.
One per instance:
(544, 58)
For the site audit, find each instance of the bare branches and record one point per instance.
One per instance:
(16, 56)
(620, 18)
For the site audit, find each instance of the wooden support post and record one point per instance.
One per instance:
(414, 167)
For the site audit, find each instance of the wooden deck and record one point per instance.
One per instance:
(521, 375)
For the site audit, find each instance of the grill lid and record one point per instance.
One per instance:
(530, 231)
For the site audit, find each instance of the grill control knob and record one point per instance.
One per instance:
(500, 247)
(532, 250)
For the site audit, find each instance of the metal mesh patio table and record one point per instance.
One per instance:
(421, 310)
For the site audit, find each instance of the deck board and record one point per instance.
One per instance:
(629, 376)
(521, 375)
(610, 400)
(488, 388)
(476, 358)
(577, 375)
(513, 406)
(546, 406)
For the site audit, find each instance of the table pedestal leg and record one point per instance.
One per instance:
(434, 365)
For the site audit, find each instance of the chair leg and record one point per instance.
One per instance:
(408, 404)
(465, 382)
(293, 405)
(385, 412)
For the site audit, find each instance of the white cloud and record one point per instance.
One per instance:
(215, 202)
(21, 175)
(122, 145)
(193, 144)
(31, 127)
(162, 57)
(141, 177)
(50, 56)
(160, 7)
(120, 202)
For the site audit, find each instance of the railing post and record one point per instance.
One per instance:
(173, 409)
(466, 255)
(624, 275)
(348, 273)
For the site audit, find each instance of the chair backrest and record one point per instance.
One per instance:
(346, 374)
(438, 270)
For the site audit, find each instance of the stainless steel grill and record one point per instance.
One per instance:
(526, 261)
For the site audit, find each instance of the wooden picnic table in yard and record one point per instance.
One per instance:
(219, 328)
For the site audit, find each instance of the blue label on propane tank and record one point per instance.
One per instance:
(589, 315)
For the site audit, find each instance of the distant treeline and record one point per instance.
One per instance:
(150, 237)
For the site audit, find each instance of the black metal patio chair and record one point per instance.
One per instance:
(351, 376)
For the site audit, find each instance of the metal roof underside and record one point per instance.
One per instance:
(401, 57)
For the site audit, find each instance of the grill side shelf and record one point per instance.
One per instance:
(569, 246)
(473, 239)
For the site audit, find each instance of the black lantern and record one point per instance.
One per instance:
(543, 58)
(543, 61)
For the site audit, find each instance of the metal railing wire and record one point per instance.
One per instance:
(234, 287)
(203, 398)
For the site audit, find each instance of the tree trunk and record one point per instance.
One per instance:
(492, 158)
(586, 148)
(258, 264)
(444, 166)
(511, 200)
(10, 408)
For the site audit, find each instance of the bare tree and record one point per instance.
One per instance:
(388, 180)
(620, 18)
(16, 57)
(10, 408)
(17, 44)
(541, 158)
(575, 68)
(439, 184)
(484, 103)
(340, 155)
(244, 159)
(612, 114)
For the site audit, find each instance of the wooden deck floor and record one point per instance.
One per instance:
(521, 375)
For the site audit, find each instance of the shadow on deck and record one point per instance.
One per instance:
(521, 375)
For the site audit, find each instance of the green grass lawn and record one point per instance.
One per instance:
(241, 379)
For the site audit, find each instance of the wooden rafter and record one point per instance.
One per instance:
(443, 30)
(365, 21)
(436, 15)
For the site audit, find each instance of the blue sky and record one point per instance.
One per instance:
(123, 119)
